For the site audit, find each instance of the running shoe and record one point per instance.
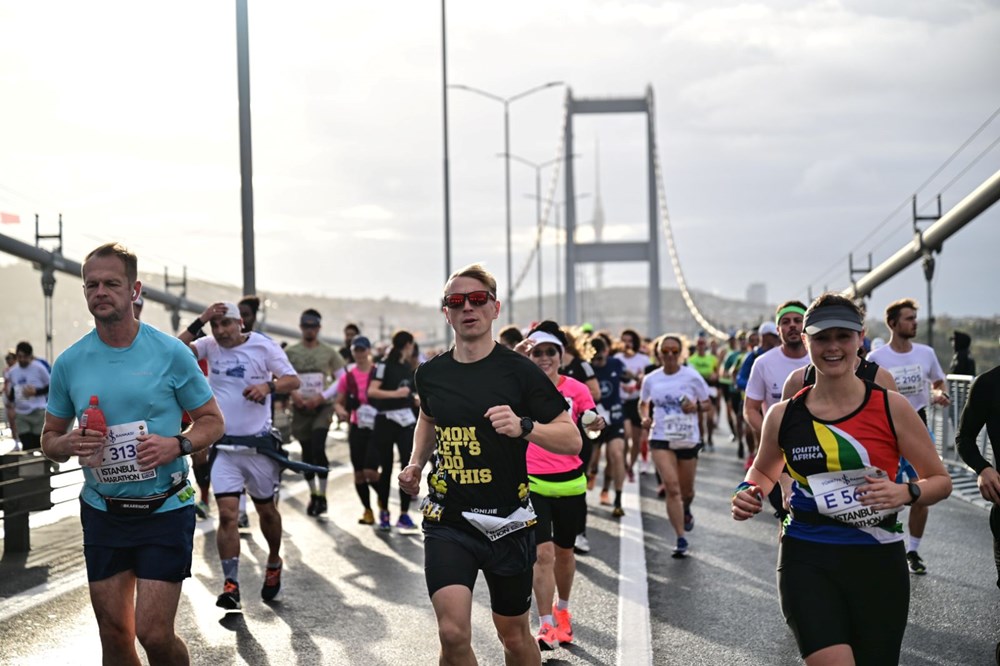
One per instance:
(582, 545)
(605, 498)
(915, 563)
(630, 474)
(320, 505)
(617, 512)
(591, 481)
(272, 582)
(564, 625)
(681, 549)
(244, 521)
(201, 510)
(311, 507)
(367, 518)
(688, 522)
(405, 524)
(383, 521)
(230, 597)
(547, 639)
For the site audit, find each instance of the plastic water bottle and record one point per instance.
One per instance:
(93, 419)
(586, 419)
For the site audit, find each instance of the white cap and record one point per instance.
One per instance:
(767, 328)
(541, 337)
(232, 312)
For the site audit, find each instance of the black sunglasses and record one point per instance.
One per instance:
(475, 298)
(545, 351)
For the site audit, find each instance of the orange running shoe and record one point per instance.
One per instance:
(564, 625)
(272, 582)
(605, 498)
(547, 639)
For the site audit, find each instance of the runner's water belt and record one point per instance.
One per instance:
(270, 446)
(141, 506)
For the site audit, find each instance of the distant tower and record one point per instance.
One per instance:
(598, 217)
(757, 293)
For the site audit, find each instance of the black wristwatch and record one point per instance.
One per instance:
(186, 446)
(527, 425)
(914, 492)
(271, 386)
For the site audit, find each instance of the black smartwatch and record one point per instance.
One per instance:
(526, 426)
(914, 492)
(185, 444)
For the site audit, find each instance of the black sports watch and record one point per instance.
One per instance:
(527, 425)
(272, 387)
(186, 446)
(914, 492)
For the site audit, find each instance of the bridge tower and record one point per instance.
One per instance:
(599, 251)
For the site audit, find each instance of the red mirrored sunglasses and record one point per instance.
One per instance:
(476, 298)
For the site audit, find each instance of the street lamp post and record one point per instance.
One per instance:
(538, 213)
(507, 101)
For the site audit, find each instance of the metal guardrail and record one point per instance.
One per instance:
(943, 422)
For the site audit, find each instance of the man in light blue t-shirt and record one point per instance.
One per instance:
(136, 505)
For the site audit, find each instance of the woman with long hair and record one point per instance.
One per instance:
(391, 389)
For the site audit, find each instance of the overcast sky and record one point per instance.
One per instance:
(788, 131)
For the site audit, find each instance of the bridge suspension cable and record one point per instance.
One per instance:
(675, 260)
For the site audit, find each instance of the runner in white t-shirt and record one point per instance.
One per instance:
(919, 378)
(635, 364)
(240, 370)
(767, 378)
(668, 406)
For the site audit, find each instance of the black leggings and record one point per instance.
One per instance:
(314, 453)
(843, 594)
(386, 434)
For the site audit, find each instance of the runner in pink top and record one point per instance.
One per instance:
(558, 486)
(352, 402)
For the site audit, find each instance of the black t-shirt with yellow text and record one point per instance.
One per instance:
(473, 466)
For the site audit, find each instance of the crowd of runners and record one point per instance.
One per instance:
(517, 426)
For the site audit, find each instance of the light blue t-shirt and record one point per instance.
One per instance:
(155, 380)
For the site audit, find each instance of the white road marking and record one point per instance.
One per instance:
(634, 636)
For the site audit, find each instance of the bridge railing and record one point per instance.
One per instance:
(943, 422)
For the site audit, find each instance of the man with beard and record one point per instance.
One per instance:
(137, 507)
(768, 375)
(914, 367)
(318, 365)
(241, 367)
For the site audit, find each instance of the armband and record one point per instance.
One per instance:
(743, 486)
(196, 327)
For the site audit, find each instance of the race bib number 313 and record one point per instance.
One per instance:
(119, 464)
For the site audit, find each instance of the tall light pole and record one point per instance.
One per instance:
(507, 101)
(538, 213)
(447, 170)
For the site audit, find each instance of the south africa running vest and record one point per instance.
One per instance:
(827, 460)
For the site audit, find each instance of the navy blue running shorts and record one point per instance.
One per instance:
(154, 547)
(454, 556)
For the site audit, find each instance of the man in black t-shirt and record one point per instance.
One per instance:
(478, 404)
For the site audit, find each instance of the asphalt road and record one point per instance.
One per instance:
(353, 595)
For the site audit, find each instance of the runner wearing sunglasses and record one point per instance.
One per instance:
(558, 486)
(479, 402)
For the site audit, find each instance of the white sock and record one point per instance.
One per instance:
(562, 604)
(546, 619)
(322, 486)
(915, 543)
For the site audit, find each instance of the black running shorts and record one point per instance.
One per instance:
(455, 555)
(560, 519)
(854, 595)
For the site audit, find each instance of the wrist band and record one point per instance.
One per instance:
(743, 486)
(196, 327)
